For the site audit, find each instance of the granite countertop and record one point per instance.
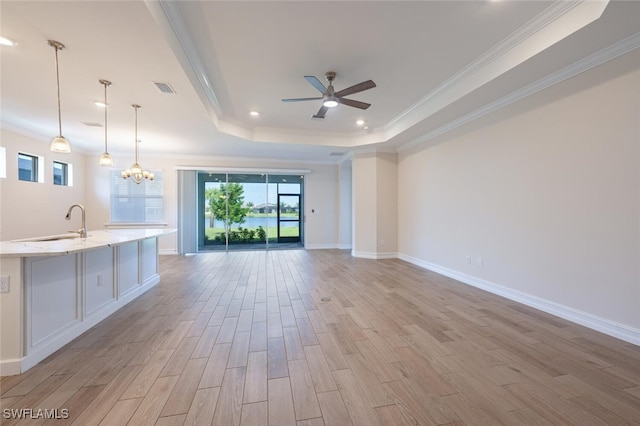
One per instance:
(61, 244)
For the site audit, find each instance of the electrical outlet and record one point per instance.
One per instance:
(99, 280)
(479, 262)
(4, 284)
(468, 258)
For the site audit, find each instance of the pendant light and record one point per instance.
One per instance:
(59, 143)
(136, 172)
(105, 159)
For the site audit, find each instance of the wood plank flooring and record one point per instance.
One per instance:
(319, 337)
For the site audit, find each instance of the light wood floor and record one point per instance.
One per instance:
(319, 337)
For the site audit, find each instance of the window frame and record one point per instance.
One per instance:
(35, 174)
(65, 173)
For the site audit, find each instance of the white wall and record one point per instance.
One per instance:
(546, 192)
(322, 207)
(364, 205)
(345, 210)
(31, 209)
(375, 182)
(386, 204)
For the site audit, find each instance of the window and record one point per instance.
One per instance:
(136, 203)
(60, 174)
(28, 167)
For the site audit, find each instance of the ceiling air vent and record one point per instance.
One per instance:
(163, 87)
(337, 154)
(90, 124)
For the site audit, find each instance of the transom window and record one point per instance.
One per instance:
(61, 173)
(28, 167)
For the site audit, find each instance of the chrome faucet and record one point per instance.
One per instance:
(82, 231)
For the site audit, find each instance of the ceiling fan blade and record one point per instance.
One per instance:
(369, 84)
(316, 83)
(301, 99)
(321, 112)
(355, 104)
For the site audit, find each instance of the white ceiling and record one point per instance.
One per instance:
(433, 62)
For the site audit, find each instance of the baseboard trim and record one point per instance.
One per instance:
(162, 252)
(603, 325)
(321, 246)
(10, 367)
(374, 255)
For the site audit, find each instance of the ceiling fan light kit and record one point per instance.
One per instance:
(330, 98)
(330, 103)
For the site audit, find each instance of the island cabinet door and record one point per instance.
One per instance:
(52, 298)
(99, 285)
(149, 250)
(128, 262)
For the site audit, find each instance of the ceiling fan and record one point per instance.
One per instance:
(331, 98)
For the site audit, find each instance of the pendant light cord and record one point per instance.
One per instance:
(105, 117)
(136, 131)
(58, 83)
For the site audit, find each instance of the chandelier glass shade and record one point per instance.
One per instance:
(136, 172)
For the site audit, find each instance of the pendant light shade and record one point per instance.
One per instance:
(59, 143)
(105, 159)
(136, 172)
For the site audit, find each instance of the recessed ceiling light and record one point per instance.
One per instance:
(6, 41)
(100, 104)
(360, 122)
(254, 113)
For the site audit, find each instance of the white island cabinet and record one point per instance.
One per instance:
(60, 287)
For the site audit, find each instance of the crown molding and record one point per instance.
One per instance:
(607, 54)
(553, 24)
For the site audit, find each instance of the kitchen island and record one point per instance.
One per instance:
(59, 287)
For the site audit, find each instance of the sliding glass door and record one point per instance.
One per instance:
(241, 211)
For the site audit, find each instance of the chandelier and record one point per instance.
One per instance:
(105, 159)
(136, 172)
(59, 143)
